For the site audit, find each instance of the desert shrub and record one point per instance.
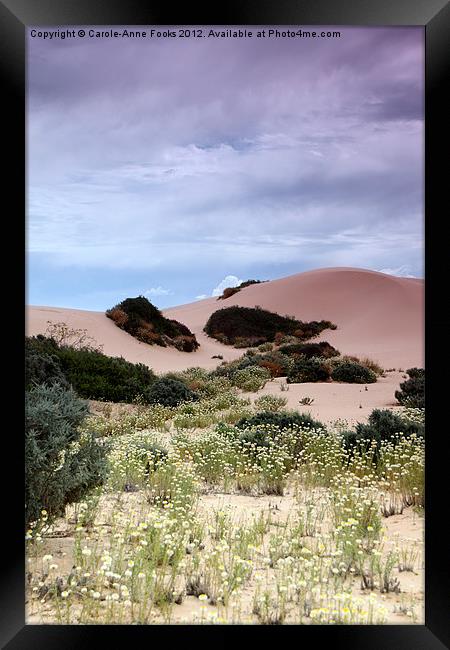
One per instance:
(94, 375)
(169, 392)
(237, 323)
(308, 370)
(353, 373)
(185, 343)
(250, 379)
(248, 341)
(372, 365)
(42, 367)
(61, 464)
(144, 321)
(282, 420)
(265, 347)
(118, 316)
(383, 425)
(275, 369)
(308, 350)
(65, 336)
(228, 292)
(231, 291)
(278, 365)
(412, 391)
(270, 403)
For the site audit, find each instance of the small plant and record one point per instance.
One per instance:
(65, 336)
(251, 379)
(306, 401)
(270, 403)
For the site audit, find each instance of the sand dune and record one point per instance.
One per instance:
(377, 315)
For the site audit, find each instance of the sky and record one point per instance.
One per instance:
(174, 167)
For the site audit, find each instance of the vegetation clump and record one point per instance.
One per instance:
(308, 370)
(383, 426)
(248, 326)
(282, 420)
(92, 374)
(308, 350)
(412, 391)
(144, 321)
(42, 365)
(231, 291)
(62, 464)
(353, 373)
(169, 392)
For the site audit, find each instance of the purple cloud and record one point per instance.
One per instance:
(176, 151)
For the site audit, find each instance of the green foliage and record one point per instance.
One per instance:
(282, 420)
(250, 379)
(144, 321)
(61, 464)
(92, 374)
(308, 370)
(383, 425)
(256, 326)
(169, 392)
(412, 391)
(42, 366)
(353, 373)
(308, 350)
(270, 403)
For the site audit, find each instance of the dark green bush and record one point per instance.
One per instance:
(61, 465)
(353, 373)
(42, 367)
(412, 391)
(383, 425)
(308, 370)
(263, 429)
(94, 375)
(308, 350)
(230, 291)
(169, 392)
(232, 324)
(144, 321)
(280, 419)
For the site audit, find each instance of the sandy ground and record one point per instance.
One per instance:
(404, 531)
(332, 401)
(378, 315)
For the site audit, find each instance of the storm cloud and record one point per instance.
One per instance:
(262, 156)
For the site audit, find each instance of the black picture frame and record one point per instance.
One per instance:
(434, 16)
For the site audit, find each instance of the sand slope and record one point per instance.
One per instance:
(377, 315)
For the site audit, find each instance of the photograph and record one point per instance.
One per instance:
(225, 325)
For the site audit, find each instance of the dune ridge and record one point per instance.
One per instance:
(377, 315)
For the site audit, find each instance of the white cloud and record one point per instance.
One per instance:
(201, 297)
(401, 272)
(228, 281)
(157, 291)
